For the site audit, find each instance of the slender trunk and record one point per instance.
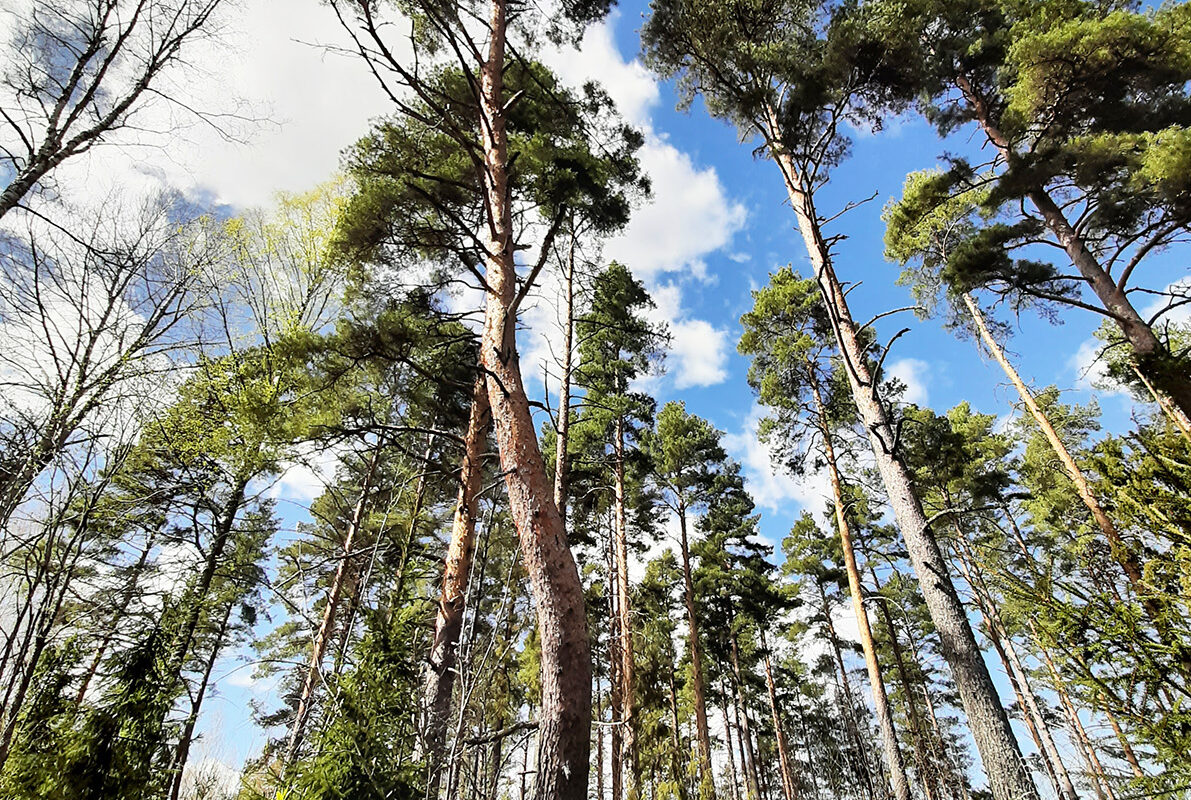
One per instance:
(440, 675)
(926, 773)
(109, 633)
(678, 773)
(323, 636)
(893, 756)
(562, 458)
(182, 753)
(1176, 416)
(1017, 672)
(706, 780)
(1151, 357)
(1096, 771)
(734, 782)
(789, 785)
(1127, 748)
(1008, 777)
(860, 758)
(630, 764)
(752, 782)
(565, 715)
(1117, 546)
(615, 684)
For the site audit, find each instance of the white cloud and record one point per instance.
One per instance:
(288, 106)
(768, 482)
(1090, 370)
(915, 374)
(628, 83)
(688, 217)
(701, 351)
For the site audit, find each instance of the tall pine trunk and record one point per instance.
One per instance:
(629, 760)
(1117, 547)
(789, 782)
(448, 622)
(562, 457)
(706, 779)
(564, 723)
(893, 756)
(1008, 777)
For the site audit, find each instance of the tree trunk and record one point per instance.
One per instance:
(1099, 780)
(615, 684)
(562, 457)
(893, 756)
(1018, 676)
(323, 636)
(440, 675)
(789, 784)
(182, 753)
(629, 761)
(1150, 356)
(850, 721)
(752, 782)
(565, 715)
(735, 783)
(926, 773)
(706, 779)
(1117, 546)
(1127, 748)
(1008, 777)
(109, 633)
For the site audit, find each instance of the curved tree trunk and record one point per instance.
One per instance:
(1008, 777)
(565, 715)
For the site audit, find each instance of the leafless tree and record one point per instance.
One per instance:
(78, 71)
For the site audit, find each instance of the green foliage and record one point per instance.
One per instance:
(419, 177)
(365, 752)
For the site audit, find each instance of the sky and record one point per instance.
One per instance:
(716, 227)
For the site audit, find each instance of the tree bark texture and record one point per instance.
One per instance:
(565, 713)
(448, 622)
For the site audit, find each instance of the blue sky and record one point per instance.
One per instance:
(718, 226)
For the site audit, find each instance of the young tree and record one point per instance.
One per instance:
(617, 344)
(685, 455)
